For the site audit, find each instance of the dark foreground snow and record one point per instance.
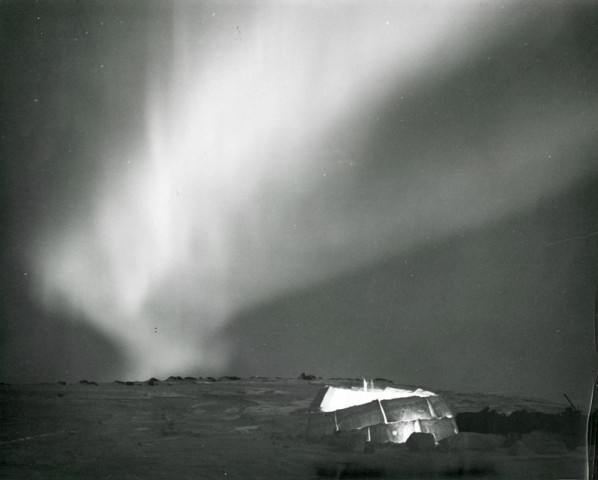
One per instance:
(235, 429)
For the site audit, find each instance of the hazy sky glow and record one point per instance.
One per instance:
(237, 153)
(181, 235)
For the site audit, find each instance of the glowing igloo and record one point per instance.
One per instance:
(385, 415)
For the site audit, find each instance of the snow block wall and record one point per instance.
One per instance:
(388, 419)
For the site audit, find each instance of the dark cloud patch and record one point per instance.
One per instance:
(60, 103)
(534, 71)
(72, 82)
(42, 346)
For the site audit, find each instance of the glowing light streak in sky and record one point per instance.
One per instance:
(212, 209)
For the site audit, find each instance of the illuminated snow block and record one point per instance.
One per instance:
(441, 428)
(439, 407)
(382, 433)
(390, 393)
(389, 414)
(318, 401)
(359, 416)
(406, 409)
(336, 398)
(397, 432)
(321, 424)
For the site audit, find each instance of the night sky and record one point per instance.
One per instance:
(405, 190)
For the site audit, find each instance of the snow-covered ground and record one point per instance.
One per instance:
(236, 429)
